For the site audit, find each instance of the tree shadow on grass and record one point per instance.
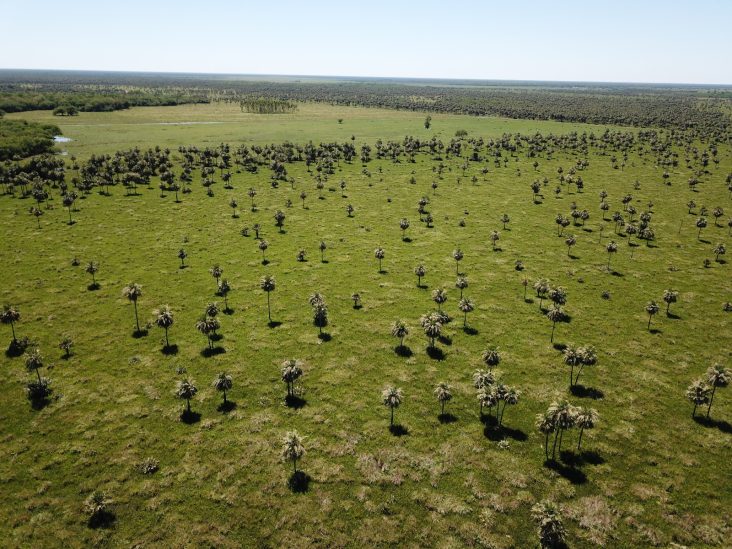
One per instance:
(226, 407)
(190, 417)
(16, 348)
(580, 391)
(470, 330)
(403, 351)
(274, 324)
(616, 273)
(446, 418)
(655, 331)
(137, 334)
(103, 519)
(572, 474)
(445, 340)
(299, 482)
(212, 351)
(435, 353)
(398, 430)
(39, 403)
(720, 424)
(93, 286)
(216, 337)
(406, 239)
(295, 402)
(169, 350)
(673, 316)
(325, 336)
(228, 311)
(560, 346)
(494, 433)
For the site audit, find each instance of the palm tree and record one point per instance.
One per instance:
(551, 530)
(670, 296)
(322, 248)
(542, 287)
(404, 225)
(279, 217)
(301, 255)
(92, 268)
(563, 415)
(133, 292)
(234, 205)
(432, 326)
(420, 271)
(698, 393)
(182, 256)
(379, 254)
(34, 362)
(303, 196)
(292, 448)
(399, 329)
(224, 289)
(555, 315)
(290, 373)
(487, 398)
(457, 256)
(494, 237)
(612, 247)
(439, 296)
(717, 376)
(216, 272)
(222, 383)
(207, 326)
(545, 424)
(718, 250)
(267, 283)
(10, 315)
(505, 219)
(263, 245)
(461, 283)
(570, 241)
(96, 505)
(356, 298)
(185, 389)
(652, 308)
(509, 396)
(700, 223)
(392, 398)
(466, 306)
(212, 309)
(443, 392)
(483, 378)
(65, 345)
(585, 418)
(349, 210)
(68, 202)
(491, 357)
(320, 316)
(164, 320)
(252, 193)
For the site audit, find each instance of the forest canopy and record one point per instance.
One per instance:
(19, 139)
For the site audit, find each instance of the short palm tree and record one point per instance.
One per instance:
(466, 306)
(267, 283)
(483, 378)
(404, 225)
(698, 393)
(399, 330)
(185, 389)
(208, 326)
(10, 315)
(505, 219)
(133, 292)
(717, 376)
(551, 530)
(494, 237)
(439, 296)
(585, 418)
(461, 283)
(292, 448)
(491, 357)
(322, 247)
(263, 245)
(443, 392)
(65, 345)
(670, 296)
(216, 272)
(182, 256)
(718, 250)
(432, 326)
(279, 217)
(223, 383)
(379, 254)
(290, 373)
(34, 362)
(92, 268)
(420, 271)
(700, 223)
(391, 397)
(652, 308)
(612, 247)
(224, 289)
(458, 257)
(487, 398)
(555, 314)
(164, 319)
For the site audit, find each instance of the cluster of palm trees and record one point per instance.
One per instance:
(701, 391)
(557, 295)
(185, 389)
(578, 357)
(560, 417)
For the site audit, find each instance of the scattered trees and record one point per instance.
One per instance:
(391, 397)
(133, 292)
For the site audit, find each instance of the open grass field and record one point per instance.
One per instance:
(649, 474)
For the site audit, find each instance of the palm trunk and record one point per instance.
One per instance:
(167, 343)
(391, 424)
(442, 409)
(38, 373)
(693, 412)
(554, 447)
(70, 221)
(711, 399)
(269, 311)
(546, 445)
(561, 436)
(294, 465)
(571, 375)
(137, 320)
(12, 327)
(465, 320)
(579, 443)
(649, 321)
(554, 325)
(188, 401)
(224, 397)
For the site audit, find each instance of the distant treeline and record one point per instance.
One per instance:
(266, 105)
(683, 107)
(20, 139)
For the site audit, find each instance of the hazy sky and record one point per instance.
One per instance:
(629, 41)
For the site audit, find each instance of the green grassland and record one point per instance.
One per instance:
(657, 477)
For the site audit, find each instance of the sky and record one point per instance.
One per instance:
(621, 41)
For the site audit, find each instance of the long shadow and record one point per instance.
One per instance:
(673, 316)
(446, 418)
(445, 340)
(422, 286)
(103, 519)
(470, 330)
(295, 402)
(572, 256)
(212, 351)
(435, 353)
(403, 351)
(528, 300)
(616, 273)
(228, 311)
(580, 391)
(274, 324)
(325, 336)
(398, 430)
(720, 424)
(93, 286)
(560, 346)
(189, 418)
(655, 331)
(406, 239)
(169, 350)
(137, 334)
(15, 349)
(299, 482)
(226, 407)
(572, 474)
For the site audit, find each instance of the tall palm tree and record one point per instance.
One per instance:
(570, 241)
(263, 245)
(391, 397)
(404, 225)
(439, 296)
(267, 283)
(320, 316)
(322, 247)
(223, 383)
(458, 257)
(292, 448)
(585, 418)
(207, 326)
(491, 357)
(92, 268)
(494, 237)
(698, 393)
(185, 389)
(461, 283)
(612, 247)
(555, 315)
(432, 326)
(505, 219)
(182, 256)
(379, 254)
(487, 398)
(216, 272)
(700, 223)
(483, 378)
(509, 396)
(717, 376)
(65, 345)
(290, 373)
(164, 320)
(399, 329)
(443, 392)
(542, 287)
(34, 362)
(224, 289)
(466, 306)
(420, 271)
(670, 296)
(10, 315)
(652, 308)
(279, 217)
(718, 250)
(133, 292)
(546, 425)
(252, 193)
(563, 414)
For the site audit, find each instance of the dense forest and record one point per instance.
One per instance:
(665, 106)
(19, 139)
